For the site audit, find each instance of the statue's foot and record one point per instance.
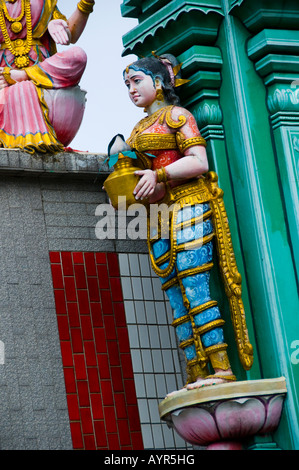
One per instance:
(214, 379)
(175, 392)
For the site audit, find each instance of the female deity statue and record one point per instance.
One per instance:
(41, 105)
(174, 162)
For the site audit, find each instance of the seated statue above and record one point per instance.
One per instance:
(41, 104)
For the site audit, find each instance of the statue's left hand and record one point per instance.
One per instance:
(146, 185)
(59, 31)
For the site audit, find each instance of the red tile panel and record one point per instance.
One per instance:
(70, 381)
(76, 434)
(95, 351)
(80, 277)
(89, 442)
(55, 257)
(60, 301)
(93, 380)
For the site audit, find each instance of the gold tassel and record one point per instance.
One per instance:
(180, 82)
(228, 267)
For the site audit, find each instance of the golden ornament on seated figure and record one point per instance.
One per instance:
(121, 183)
(22, 61)
(16, 27)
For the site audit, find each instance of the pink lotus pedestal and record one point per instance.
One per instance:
(223, 417)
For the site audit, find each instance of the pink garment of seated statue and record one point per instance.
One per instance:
(43, 110)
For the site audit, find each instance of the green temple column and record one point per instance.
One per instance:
(273, 53)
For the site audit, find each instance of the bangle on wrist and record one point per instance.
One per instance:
(7, 77)
(161, 175)
(85, 7)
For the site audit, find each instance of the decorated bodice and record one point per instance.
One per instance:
(164, 137)
(23, 28)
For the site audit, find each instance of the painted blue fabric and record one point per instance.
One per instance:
(197, 287)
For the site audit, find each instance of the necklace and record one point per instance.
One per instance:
(20, 47)
(148, 121)
(16, 25)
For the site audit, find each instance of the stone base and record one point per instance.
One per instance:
(223, 417)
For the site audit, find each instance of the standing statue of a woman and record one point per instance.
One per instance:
(41, 107)
(174, 161)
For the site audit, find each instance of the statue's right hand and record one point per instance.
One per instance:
(59, 31)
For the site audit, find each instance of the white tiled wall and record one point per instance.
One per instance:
(155, 354)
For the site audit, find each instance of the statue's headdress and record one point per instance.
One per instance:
(173, 70)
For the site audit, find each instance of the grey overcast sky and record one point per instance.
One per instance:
(109, 110)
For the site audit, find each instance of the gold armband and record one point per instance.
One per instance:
(7, 77)
(85, 7)
(183, 144)
(161, 175)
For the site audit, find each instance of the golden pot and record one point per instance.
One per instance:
(122, 182)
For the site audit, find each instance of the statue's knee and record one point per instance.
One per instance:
(78, 56)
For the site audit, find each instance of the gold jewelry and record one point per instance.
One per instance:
(184, 143)
(161, 175)
(230, 377)
(20, 47)
(146, 122)
(229, 271)
(7, 77)
(35, 42)
(85, 7)
(218, 356)
(16, 27)
(146, 142)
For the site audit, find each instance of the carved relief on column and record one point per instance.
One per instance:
(202, 65)
(171, 26)
(276, 59)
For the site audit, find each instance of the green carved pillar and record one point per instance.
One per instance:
(268, 99)
(276, 63)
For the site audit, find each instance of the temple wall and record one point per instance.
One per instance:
(88, 346)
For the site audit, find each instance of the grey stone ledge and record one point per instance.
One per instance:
(67, 164)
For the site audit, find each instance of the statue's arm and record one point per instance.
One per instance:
(79, 18)
(69, 31)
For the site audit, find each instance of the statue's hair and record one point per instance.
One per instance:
(154, 67)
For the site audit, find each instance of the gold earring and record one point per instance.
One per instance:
(159, 95)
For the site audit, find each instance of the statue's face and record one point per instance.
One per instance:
(141, 88)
